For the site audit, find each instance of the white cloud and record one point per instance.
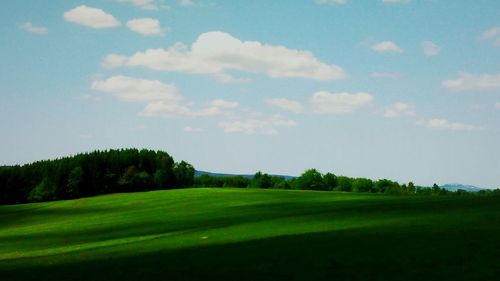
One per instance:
(430, 48)
(146, 27)
(330, 2)
(396, 1)
(257, 125)
(113, 61)
(132, 89)
(186, 3)
(497, 105)
(189, 129)
(492, 35)
(283, 103)
(38, 30)
(339, 103)
(387, 47)
(388, 75)
(161, 99)
(399, 109)
(91, 17)
(443, 124)
(217, 107)
(143, 4)
(215, 53)
(473, 82)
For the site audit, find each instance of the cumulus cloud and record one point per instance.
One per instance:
(91, 17)
(286, 104)
(387, 47)
(330, 2)
(146, 27)
(215, 53)
(399, 109)
(339, 103)
(443, 124)
(38, 30)
(473, 82)
(257, 125)
(430, 48)
(387, 75)
(492, 35)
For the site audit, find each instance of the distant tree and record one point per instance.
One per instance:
(387, 186)
(162, 179)
(330, 181)
(75, 181)
(45, 191)
(283, 184)
(344, 184)
(410, 188)
(311, 180)
(184, 174)
(362, 185)
(261, 180)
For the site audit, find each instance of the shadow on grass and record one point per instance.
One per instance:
(358, 254)
(403, 208)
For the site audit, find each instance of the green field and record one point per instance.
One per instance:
(247, 234)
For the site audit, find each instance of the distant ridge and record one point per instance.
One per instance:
(457, 186)
(199, 173)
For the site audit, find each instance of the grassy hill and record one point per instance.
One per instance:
(250, 234)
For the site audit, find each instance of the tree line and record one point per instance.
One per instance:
(129, 170)
(314, 180)
(88, 174)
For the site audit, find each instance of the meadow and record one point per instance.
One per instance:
(252, 234)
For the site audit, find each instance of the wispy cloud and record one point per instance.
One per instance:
(150, 5)
(286, 104)
(339, 103)
(38, 30)
(473, 82)
(330, 2)
(186, 3)
(266, 125)
(430, 48)
(386, 47)
(492, 35)
(443, 124)
(399, 109)
(396, 1)
(192, 130)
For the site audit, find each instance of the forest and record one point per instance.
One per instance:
(132, 170)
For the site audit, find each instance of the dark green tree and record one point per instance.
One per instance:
(75, 181)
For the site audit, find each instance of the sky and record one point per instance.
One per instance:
(407, 90)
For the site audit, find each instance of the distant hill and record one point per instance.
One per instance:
(199, 173)
(457, 186)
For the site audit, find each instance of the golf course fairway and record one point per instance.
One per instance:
(252, 234)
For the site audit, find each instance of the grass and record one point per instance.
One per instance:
(246, 234)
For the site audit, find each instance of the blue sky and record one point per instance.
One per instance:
(406, 90)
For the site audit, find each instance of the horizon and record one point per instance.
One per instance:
(405, 90)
